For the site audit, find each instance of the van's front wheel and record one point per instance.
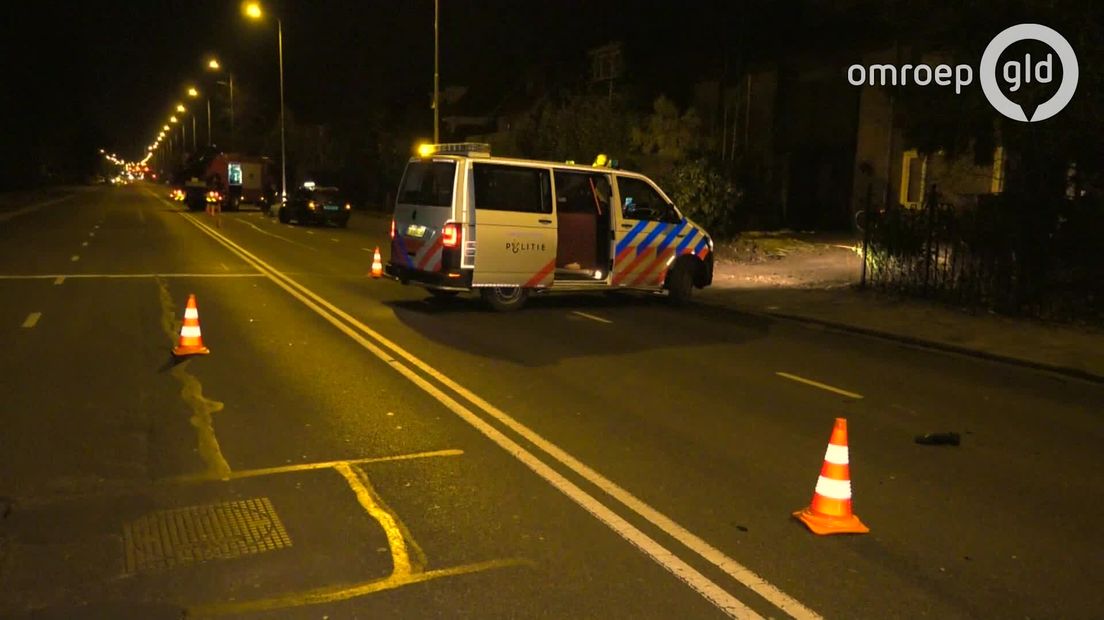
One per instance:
(504, 298)
(680, 281)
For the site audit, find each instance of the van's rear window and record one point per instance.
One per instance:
(428, 183)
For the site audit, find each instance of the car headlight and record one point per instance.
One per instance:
(311, 205)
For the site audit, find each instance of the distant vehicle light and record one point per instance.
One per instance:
(311, 205)
(309, 185)
(450, 235)
(348, 206)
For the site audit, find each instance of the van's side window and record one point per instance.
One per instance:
(428, 184)
(639, 201)
(512, 188)
(582, 192)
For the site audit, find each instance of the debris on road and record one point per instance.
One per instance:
(939, 439)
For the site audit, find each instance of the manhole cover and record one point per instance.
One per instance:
(168, 538)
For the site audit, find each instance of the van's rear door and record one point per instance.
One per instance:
(515, 225)
(423, 205)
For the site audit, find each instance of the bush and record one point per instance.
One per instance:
(706, 196)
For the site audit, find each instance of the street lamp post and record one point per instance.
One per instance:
(436, 76)
(252, 10)
(193, 93)
(214, 65)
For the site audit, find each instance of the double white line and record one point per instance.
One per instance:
(405, 364)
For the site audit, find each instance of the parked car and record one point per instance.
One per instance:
(316, 205)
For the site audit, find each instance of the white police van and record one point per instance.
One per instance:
(508, 228)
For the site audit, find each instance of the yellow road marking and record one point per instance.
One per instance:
(591, 317)
(61, 277)
(191, 391)
(817, 384)
(287, 469)
(400, 557)
(711, 591)
(32, 319)
(330, 594)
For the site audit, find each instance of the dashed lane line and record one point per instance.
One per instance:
(58, 280)
(818, 384)
(74, 258)
(32, 320)
(708, 589)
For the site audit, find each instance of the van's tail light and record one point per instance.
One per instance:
(450, 236)
(392, 228)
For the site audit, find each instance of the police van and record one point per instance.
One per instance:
(508, 228)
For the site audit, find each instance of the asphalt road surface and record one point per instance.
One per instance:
(353, 449)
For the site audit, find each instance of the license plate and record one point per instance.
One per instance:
(331, 207)
(415, 230)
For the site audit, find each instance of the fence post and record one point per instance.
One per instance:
(866, 235)
(933, 202)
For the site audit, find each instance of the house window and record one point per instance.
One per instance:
(914, 168)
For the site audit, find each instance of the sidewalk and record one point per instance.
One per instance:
(817, 283)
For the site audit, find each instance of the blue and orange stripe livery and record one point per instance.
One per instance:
(644, 263)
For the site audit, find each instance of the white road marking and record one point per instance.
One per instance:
(11, 214)
(265, 232)
(91, 234)
(310, 232)
(84, 244)
(591, 317)
(74, 258)
(817, 384)
(58, 279)
(32, 319)
(665, 558)
(367, 249)
(334, 239)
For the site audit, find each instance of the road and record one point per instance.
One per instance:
(352, 449)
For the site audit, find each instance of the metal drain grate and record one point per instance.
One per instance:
(168, 538)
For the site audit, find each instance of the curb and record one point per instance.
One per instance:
(1075, 373)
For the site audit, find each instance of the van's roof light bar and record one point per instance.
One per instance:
(455, 148)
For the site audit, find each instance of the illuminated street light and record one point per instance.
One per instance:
(173, 119)
(252, 10)
(192, 92)
(180, 108)
(213, 65)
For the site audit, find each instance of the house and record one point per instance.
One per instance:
(807, 147)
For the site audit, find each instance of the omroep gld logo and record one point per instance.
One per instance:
(1015, 72)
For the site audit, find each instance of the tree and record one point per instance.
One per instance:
(666, 133)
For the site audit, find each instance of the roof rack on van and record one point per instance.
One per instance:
(456, 148)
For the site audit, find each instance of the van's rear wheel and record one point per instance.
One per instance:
(504, 298)
(680, 281)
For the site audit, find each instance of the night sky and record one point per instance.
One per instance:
(106, 73)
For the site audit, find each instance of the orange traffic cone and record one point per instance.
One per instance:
(377, 264)
(191, 341)
(830, 512)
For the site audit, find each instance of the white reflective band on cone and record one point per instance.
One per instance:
(833, 489)
(190, 331)
(191, 313)
(837, 455)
